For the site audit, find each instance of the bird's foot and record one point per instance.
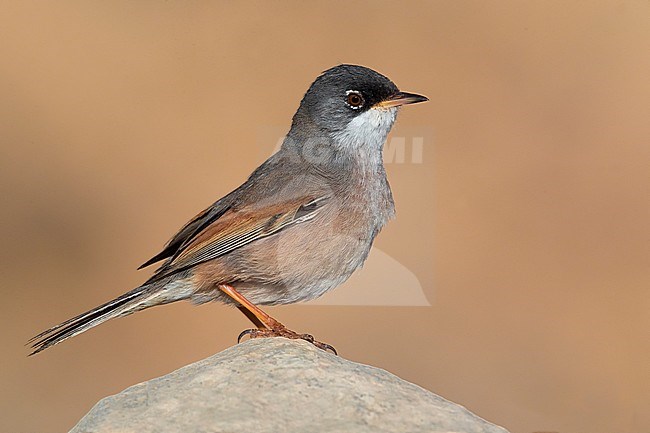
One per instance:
(282, 331)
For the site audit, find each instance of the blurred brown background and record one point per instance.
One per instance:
(527, 224)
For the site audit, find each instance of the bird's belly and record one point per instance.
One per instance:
(303, 263)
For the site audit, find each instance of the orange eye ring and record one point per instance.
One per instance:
(354, 99)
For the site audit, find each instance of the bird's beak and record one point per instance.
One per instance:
(401, 98)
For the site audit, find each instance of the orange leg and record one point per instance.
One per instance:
(267, 325)
(263, 318)
(252, 317)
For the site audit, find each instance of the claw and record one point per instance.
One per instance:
(244, 333)
(283, 332)
(325, 347)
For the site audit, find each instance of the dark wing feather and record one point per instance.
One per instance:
(192, 228)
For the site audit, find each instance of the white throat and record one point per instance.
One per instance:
(368, 130)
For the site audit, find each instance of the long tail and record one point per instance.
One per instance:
(128, 303)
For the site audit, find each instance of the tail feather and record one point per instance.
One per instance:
(125, 304)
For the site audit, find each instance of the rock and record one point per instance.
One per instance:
(278, 385)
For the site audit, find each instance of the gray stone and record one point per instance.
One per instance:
(277, 385)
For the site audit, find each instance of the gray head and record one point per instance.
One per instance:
(351, 106)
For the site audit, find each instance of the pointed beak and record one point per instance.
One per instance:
(401, 98)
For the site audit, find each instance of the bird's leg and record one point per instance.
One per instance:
(267, 326)
(251, 317)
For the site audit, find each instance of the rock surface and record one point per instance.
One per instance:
(276, 385)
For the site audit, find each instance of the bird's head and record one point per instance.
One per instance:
(352, 105)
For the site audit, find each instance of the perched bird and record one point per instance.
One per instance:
(301, 224)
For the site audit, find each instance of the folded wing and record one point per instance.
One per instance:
(236, 228)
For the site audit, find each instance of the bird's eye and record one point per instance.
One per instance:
(354, 99)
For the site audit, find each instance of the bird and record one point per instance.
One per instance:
(299, 226)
